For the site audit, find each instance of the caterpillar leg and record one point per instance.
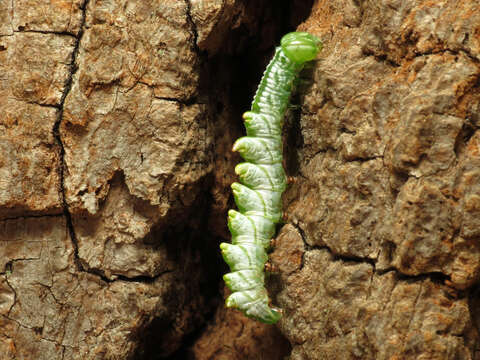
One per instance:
(271, 268)
(273, 243)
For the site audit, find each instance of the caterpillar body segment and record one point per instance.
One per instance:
(264, 203)
(243, 279)
(261, 125)
(243, 228)
(262, 179)
(259, 150)
(254, 304)
(243, 257)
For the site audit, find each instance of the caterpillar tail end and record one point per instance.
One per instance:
(259, 311)
(276, 314)
(270, 317)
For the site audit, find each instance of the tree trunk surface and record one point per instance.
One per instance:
(116, 125)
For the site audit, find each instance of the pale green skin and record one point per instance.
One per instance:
(259, 195)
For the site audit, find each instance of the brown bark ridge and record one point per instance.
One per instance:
(116, 123)
(386, 205)
(104, 151)
(380, 256)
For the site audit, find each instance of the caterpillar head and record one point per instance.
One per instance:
(300, 47)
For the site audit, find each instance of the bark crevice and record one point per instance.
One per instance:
(58, 138)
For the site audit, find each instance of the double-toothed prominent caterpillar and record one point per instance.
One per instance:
(262, 179)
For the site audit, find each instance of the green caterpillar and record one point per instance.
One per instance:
(262, 179)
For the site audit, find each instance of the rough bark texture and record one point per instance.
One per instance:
(107, 143)
(104, 147)
(382, 255)
(116, 123)
(386, 205)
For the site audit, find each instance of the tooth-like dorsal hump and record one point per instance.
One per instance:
(259, 150)
(244, 257)
(244, 279)
(262, 177)
(247, 228)
(263, 125)
(239, 224)
(258, 202)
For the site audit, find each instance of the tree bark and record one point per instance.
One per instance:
(117, 120)
(380, 257)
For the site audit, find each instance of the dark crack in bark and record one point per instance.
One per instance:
(193, 26)
(60, 33)
(57, 136)
(434, 276)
